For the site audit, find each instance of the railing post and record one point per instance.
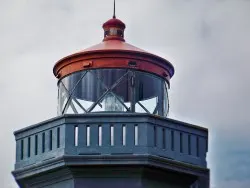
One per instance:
(69, 137)
(130, 135)
(142, 134)
(94, 135)
(82, 138)
(118, 135)
(106, 136)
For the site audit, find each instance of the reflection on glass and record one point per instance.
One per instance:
(111, 103)
(113, 90)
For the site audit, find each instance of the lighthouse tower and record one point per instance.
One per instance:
(112, 128)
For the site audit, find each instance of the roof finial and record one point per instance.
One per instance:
(114, 10)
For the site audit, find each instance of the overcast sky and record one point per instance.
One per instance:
(208, 42)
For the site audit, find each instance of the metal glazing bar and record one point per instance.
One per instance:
(156, 108)
(77, 102)
(167, 99)
(99, 79)
(104, 85)
(65, 96)
(71, 93)
(64, 87)
(132, 90)
(161, 100)
(106, 92)
(143, 107)
(120, 101)
(72, 106)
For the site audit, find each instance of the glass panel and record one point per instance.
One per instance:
(89, 88)
(118, 97)
(147, 86)
(62, 97)
(99, 106)
(112, 90)
(139, 108)
(82, 106)
(166, 100)
(150, 104)
(148, 91)
(70, 108)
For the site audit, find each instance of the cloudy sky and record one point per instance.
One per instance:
(208, 42)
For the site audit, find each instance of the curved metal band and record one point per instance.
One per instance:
(80, 65)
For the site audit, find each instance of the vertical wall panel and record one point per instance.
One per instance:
(47, 139)
(159, 137)
(25, 147)
(185, 143)
(177, 141)
(94, 135)
(118, 134)
(18, 150)
(202, 147)
(54, 138)
(193, 145)
(69, 135)
(62, 136)
(32, 145)
(39, 139)
(106, 137)
(150, 135)
(168, 139)
(82, 135)
(130, 134)
(142, 134)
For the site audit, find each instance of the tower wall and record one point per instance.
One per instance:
(69, 151)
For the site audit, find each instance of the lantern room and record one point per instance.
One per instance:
(113, 76)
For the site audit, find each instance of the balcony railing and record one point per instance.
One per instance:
(111, 134)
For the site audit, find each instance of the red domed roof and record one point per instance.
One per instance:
(114, 52)
(114, 22)
(113, 45)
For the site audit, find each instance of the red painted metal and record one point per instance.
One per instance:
(113, 52)
(114, 22)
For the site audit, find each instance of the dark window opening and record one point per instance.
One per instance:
(106, 33)
(155, 136)
(58, 137)
(181, 144)
(163, 139)
(50, 140)
(43, 142)
(29, 147)
(21, 149)
(120, 33)
(172, 140)
(36, 144)
(189, 144)
(197, 147)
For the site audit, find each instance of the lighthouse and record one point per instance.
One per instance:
(112, 128)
